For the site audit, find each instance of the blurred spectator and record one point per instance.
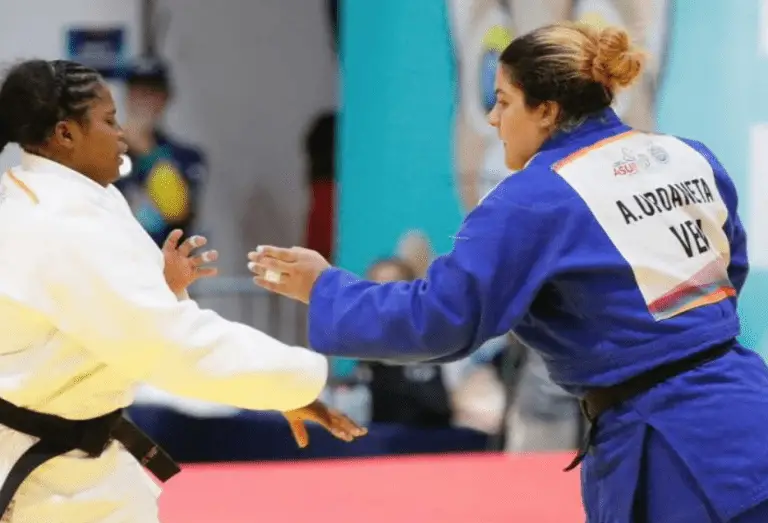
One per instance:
(320, 148)
(415, 249)
(542, 417)
(413, 395)
(164, 186)
(478, 395)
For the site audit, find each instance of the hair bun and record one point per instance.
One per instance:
(617, 63)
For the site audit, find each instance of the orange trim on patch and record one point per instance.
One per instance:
(24, 187)
(581, 152)
(716, 296)
(710, 299)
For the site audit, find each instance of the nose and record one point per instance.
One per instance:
(493, 117)
(123, 144)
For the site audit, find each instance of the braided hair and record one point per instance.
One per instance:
(37, 94)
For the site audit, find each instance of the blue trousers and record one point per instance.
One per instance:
(690, 450)
(667, 492)
(757, 514)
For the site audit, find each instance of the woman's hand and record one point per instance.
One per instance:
(333, 421)
(182, 268)
(290, 272)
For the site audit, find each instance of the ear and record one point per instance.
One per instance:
(549, 113)
(65, 134)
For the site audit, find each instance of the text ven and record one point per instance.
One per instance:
(691, 237)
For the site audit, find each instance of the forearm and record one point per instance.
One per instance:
(399, 322)
(212, 359)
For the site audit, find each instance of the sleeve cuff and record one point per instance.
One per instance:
(322, 330)
(317, 373)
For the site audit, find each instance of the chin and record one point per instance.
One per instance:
(113, 176)
(516, 163)
(513, 165)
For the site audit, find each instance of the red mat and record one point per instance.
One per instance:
(465, 489)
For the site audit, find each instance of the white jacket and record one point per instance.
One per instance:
(85, 315)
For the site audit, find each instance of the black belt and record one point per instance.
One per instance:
(596, 401)
(58, 436)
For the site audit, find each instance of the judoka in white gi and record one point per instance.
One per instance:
(87, 310)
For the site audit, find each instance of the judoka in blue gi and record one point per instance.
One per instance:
(619, 256)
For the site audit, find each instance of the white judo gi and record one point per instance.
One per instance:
(86, 315)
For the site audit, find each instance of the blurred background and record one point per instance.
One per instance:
(357, 128)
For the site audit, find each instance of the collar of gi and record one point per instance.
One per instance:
(600, 122)
(33, 164)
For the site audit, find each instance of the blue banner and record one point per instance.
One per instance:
(101, 49)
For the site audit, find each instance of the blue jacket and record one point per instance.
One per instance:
(613, 251)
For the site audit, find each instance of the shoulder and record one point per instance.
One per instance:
(36, 237)
(696, 145)
(190, 159)
(114, 192)
(537, 188)
(725, 184)
(191, 153)
(530, 201)
(183, 150)
(702, 150)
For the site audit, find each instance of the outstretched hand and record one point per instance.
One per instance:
(290, 272)
(332, 420)
(182, 268)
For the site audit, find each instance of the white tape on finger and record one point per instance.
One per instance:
(272, 276)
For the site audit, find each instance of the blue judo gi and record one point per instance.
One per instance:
(611, 253)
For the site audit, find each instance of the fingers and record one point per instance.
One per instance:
(300, 433)
(344, 428)
(271, 286)
(172, 241)
(341, 426)
(201, 259)
(270, 271)
(206, 257)
(289, 272)
(206, 272)
(277, 253)
(191, 244)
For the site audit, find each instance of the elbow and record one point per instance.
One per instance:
(450, 347)
(447, 332)
(437, 340)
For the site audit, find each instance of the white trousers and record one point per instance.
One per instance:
(73, 488)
